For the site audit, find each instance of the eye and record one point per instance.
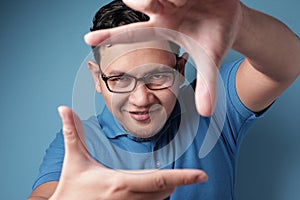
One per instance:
(119, 78)
(156, 76)
(163, 76)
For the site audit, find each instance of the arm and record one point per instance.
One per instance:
(44, 191)
(273, 60)
(217, 26)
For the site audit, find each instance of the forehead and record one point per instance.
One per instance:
(136, 53)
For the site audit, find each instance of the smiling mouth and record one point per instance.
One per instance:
(140, 116)
(140, 113)
(145, 114)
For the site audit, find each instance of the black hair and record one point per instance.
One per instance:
(115, 14)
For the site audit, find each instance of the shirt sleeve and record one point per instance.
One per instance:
(239, 117)
(51, 166)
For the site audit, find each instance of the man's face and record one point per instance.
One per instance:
(142, 112)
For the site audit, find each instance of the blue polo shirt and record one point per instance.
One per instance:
(186, 141)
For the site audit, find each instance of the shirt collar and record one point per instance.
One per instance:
(110, 125)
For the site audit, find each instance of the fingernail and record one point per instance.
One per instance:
(202, 177)
(60, 112)
(86, 37)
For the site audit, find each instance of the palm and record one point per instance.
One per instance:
(212, 24)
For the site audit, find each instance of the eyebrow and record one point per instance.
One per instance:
(160, 68)
(115, 73)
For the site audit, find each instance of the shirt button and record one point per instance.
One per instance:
(157, 164)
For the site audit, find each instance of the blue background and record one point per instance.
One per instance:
(41, 50)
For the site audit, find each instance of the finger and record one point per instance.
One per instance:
(95, 38)
(207, 78)
(73, 134)
(144, 6)
(205, 94)
(160, 180)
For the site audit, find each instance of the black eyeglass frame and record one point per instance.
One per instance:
(106, 78)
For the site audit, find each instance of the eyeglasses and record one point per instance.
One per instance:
(126, 83)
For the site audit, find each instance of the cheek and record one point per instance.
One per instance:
(115, 102)
(169, 100)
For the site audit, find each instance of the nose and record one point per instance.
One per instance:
(141, 96)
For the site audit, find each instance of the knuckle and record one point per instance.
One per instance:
(116, 185)
(71, 140)
(160, 182)
(68, 131)
(69, 135)
(186, 180)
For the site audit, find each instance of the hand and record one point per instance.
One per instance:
(83, 178)
(212, 24)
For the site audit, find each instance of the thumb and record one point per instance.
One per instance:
(124, 34)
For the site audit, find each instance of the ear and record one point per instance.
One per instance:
(94, 69)
(181, 66)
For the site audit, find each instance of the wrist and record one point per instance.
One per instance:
(244, 28)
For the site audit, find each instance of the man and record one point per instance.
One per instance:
(145, 109)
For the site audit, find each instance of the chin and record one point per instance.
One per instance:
(145, 132)
(142, 135)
